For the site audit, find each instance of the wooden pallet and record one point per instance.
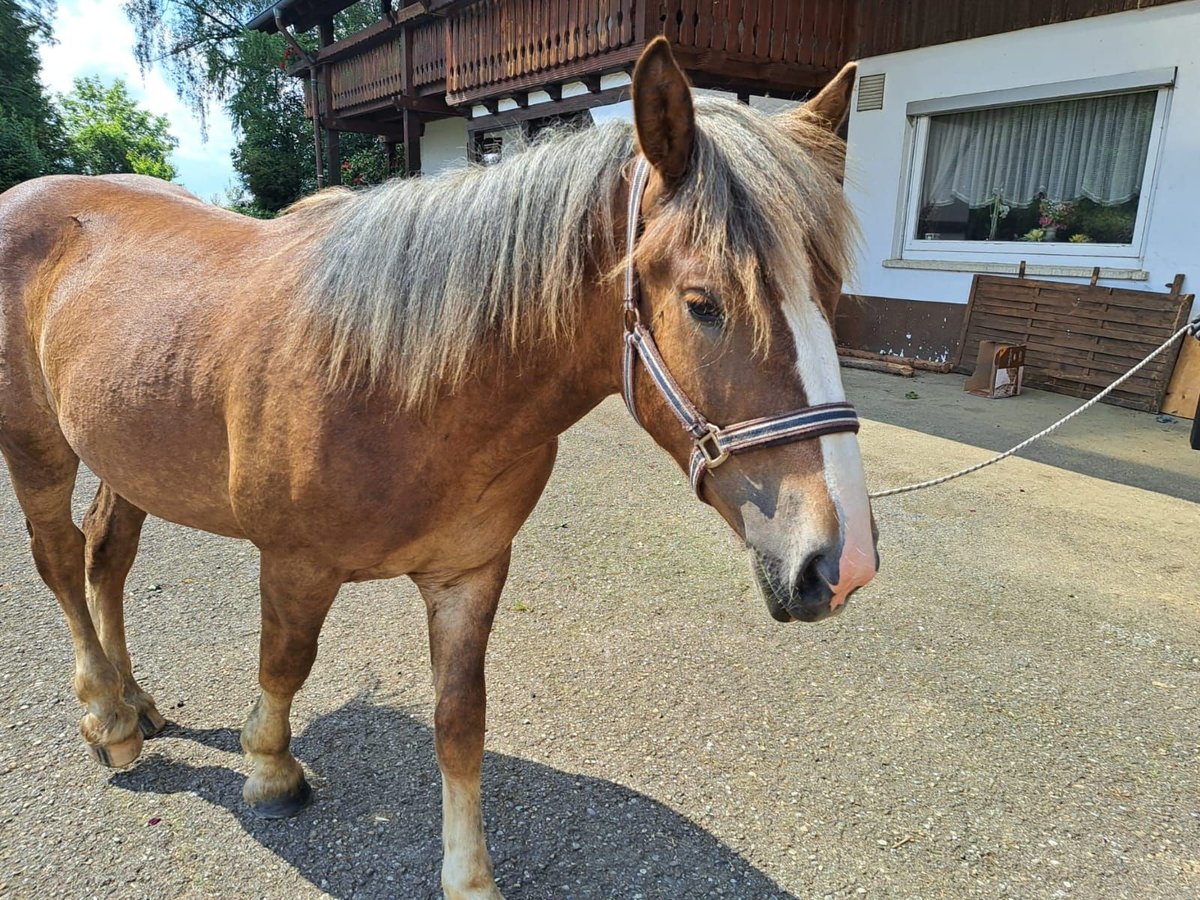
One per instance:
(1080, 338)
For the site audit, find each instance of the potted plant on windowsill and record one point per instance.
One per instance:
(1053, 216)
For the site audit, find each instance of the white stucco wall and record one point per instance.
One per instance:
(444, 145)
(877, 176)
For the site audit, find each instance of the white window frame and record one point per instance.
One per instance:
(910, 247)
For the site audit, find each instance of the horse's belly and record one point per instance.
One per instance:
(167, 479)
(157, 449)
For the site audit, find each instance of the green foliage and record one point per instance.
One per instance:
(20, 156)
(209, 57)
(31, 141)
(107, 132)
(1105, 224)
(365, 166)
(274, 153)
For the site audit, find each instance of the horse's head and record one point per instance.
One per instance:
(745, 239)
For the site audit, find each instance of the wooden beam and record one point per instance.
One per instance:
(325, 30)
(333, 149)
(427, 105)
(548, 110)
(412, 143)
(366, 38)
(603, 64)
(592, 82)
(389, 129)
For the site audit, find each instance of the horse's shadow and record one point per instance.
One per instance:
(374, 830)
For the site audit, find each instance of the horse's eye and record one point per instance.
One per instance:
(705, 308)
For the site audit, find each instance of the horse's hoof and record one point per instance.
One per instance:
(287, 805)
(118, 755)
(151, 723)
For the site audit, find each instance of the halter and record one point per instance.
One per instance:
(711, 444)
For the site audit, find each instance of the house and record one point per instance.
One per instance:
(1058, 134)
(1055, 139)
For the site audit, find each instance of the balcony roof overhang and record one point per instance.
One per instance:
(305, 14)
(299, 14)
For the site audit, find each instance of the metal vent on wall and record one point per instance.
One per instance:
(870, 92)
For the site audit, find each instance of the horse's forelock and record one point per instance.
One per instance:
(765, 202)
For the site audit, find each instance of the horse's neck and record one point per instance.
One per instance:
(558, 385)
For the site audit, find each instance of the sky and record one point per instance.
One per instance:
(93, 37)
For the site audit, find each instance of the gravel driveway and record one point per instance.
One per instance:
(1010, 710)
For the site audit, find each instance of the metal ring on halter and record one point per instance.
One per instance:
(712, 445)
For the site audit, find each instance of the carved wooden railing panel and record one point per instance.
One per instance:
(429, 53)
(373, 74)
(501, 40)
(811, 33)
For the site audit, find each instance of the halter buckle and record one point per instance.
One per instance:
(710, 447)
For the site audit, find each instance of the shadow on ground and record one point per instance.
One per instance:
(374, 830)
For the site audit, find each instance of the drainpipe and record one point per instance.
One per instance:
(316, 98)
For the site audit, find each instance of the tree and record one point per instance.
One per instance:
(107, 132)
(30, 134)
(209, 56)
(274, 152)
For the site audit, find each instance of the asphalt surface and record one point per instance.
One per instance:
(1010, 710)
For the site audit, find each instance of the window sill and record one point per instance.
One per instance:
(1003, 268)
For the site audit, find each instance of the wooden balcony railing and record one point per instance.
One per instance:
(429, 53)
(499, 41)
(811, 33)
(374, 74)
(483, 49)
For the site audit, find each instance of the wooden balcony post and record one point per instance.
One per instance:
(333, 147)
(412, 143)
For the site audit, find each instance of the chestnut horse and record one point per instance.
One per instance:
(373, 385)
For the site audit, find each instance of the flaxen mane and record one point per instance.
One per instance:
(414, 277)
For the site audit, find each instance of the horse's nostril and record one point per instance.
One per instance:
(817, 575)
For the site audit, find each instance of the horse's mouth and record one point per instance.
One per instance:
(781, 606)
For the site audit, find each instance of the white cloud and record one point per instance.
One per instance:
(93, 37)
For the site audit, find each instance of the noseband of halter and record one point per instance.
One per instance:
(711, 444)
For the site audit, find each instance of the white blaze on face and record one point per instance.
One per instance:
(817, 363)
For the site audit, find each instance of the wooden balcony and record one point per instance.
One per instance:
(478, 52)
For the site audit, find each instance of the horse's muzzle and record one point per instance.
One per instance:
(808, 598)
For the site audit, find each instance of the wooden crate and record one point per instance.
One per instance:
(1080, 337)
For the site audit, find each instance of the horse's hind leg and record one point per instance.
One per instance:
(43, 468)
(112, 528)
(296, 596)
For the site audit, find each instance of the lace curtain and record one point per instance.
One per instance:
(1066, 150)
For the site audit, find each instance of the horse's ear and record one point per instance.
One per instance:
(662, 111)
(831, 106)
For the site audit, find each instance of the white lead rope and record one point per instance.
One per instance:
(1192, 327)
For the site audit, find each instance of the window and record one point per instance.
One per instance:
(1050, 176)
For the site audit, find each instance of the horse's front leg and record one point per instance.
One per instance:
(460, 610)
